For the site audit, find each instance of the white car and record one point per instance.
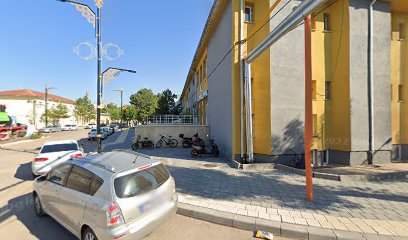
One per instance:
(91, 126)
(66, 128)
(108, 130)
(93, 133)
(53, 154)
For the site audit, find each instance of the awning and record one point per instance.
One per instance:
(4, 117)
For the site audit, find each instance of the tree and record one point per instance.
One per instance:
(113, 110)
(145, 103)
(57, 113)
(84, 109)
(166, 102)
(130, 113)
(178, 109)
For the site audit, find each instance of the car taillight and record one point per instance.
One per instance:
(40, 159)
(78, 155)
(114, 215)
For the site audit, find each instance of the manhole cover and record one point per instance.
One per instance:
(209, 165)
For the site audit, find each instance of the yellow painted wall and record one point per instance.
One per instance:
(399, 77)
(261, 98)
(330, 62)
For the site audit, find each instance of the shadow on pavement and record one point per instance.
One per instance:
(287, 191)
(44, 228)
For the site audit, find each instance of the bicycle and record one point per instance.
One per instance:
(171, 142)
(146, 143)
(298, 160)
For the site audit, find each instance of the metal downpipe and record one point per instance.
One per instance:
(370, 88)
(248, 98)
(241, 78)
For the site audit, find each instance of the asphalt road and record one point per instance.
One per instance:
(18, 221)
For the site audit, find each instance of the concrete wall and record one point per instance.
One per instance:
(153, 132)
(220, 84)
(359, 38)
(287, 87)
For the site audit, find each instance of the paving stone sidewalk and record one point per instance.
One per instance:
(377, 208)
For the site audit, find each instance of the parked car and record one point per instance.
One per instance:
(114, 127)
(69, 127)
(51, 128)
(108, 130)
(90, 126)
(93, 133)
(66, 128)
(107, 196)
(53, 153)
(124, 125)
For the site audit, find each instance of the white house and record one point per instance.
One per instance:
(27, 106)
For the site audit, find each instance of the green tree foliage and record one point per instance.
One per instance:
(57, 113)
(166, 102)
(113, 110)
(84, 109)
(145, 103)
(130, 113)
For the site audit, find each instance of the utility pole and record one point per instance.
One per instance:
(46, 103)
(121, 106)
(99, 79)
(308, 107)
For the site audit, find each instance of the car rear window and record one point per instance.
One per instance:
(59, 148)
(141, 182)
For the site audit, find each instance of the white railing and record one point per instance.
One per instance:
(173, 120)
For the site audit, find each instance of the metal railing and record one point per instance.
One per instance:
(173, 120)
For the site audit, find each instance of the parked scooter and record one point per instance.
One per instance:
(189, 142)
(199, 149)
(146, 143)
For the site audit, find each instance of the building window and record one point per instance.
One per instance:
(205, 68)
(326, 20)
(193, 81)
(314, 89)
(401, 31)
(248, 14)
(401, 96)
(327, 90)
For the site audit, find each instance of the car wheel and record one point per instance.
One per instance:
(38, 209)
(89, 235)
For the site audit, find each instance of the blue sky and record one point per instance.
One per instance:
(159, 39)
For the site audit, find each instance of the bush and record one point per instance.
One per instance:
(35, 136)
(21, 134)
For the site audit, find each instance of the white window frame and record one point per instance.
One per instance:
(251, 13)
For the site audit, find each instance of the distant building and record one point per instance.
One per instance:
(27, 106)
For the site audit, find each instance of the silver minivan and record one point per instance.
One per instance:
(115, 195)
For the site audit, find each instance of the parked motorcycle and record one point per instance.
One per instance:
(199, 149)
(188, 142)
(146, 143)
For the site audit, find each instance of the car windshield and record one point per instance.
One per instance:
(140, 182)
(59, 148)
(93, 130)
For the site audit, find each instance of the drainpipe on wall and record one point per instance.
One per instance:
(248, 103)
(370, 88)
(241, 76)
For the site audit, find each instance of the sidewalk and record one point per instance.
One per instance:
(272, 200)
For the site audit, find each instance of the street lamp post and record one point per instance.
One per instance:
(46, 103)
(121, 106)
(95, 20)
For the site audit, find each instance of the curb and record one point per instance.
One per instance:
(275, 227)
(298, 171)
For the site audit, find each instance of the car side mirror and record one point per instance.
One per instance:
(55, 179)
(41, 178)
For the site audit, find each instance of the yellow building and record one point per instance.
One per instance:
(354, 60)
